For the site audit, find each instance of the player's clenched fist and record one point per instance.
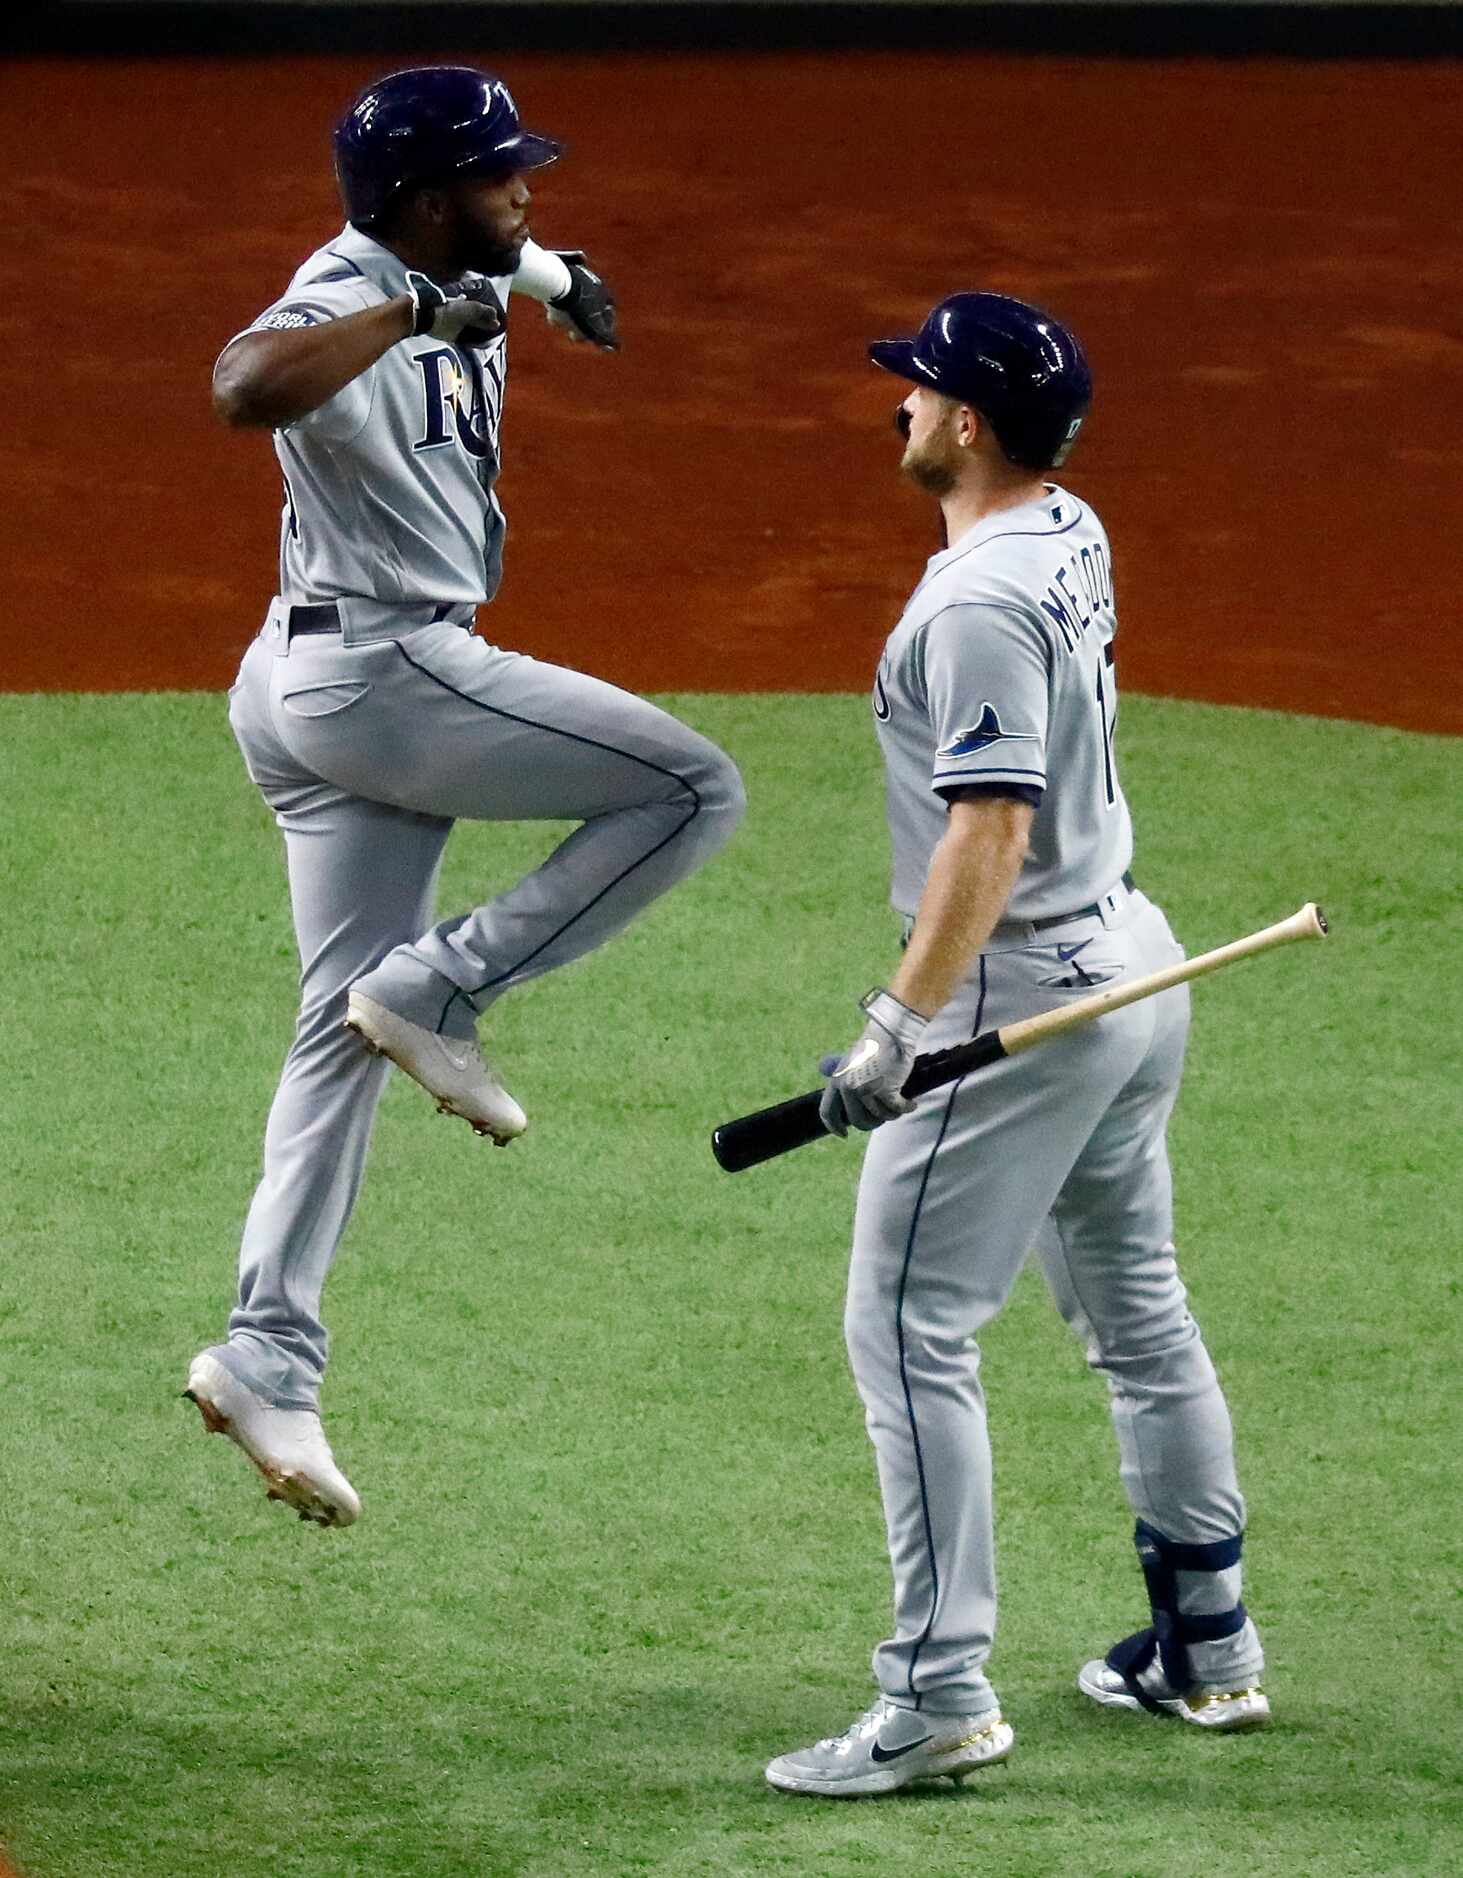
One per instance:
(867, 1083)
(465, 309)
(586, 309)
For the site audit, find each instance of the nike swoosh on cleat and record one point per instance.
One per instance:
(892, 1754)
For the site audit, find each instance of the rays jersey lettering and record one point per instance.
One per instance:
(391, 483)
(1000, 676)
(462, 402)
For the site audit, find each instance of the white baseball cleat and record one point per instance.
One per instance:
(1223, 1710)
(451, 1068)
(288, 1446)
(888, 1747)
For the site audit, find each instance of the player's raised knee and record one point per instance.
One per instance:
(714, 782)
(726, 795)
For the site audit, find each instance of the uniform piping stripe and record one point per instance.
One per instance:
(948, 776)
(919, 1461)
(1006, 534)
(592, 743)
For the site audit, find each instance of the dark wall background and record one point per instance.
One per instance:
(1310, 29)
(1261, 253)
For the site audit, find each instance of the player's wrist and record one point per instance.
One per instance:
(542, 274)
(903, 1023)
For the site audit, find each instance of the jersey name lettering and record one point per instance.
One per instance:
(1077, 592)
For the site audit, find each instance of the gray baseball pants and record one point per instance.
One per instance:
(368, 753)
(1062, 1151)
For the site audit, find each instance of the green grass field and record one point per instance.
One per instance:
(621, 1539)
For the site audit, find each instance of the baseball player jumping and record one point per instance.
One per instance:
(995, 706)
(372, 716)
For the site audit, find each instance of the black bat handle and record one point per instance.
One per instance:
(948, 1065)
(769, 1132)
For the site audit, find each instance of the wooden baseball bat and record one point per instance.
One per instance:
(792, 1124)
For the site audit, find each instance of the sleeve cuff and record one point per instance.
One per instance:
(540, 274)
(1030, 793)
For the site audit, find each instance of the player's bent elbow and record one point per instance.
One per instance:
(229, 408)
(234, 405)
(239, 390)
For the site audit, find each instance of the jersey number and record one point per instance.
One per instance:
(1109, 725)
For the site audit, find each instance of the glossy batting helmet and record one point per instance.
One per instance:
(1021, 369)
(424, 125)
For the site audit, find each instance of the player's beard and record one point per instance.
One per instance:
(488, 257)
(477, 247)
(931, 465)
(492, 261)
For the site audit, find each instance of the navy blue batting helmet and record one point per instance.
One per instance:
(1021, 369)
(424, 125)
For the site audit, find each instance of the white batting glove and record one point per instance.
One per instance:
(867, 1083)
(465, 310)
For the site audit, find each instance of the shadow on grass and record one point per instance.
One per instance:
(599, 1769)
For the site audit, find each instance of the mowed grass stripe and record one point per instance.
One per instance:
(621, 1537)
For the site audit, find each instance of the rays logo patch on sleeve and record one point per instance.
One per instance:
(986, 730)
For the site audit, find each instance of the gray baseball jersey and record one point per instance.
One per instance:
(389, 484)
(1000, 671)
(372, 716)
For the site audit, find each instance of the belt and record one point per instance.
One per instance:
(325, 617)
(1082, 912)
(1013, 931)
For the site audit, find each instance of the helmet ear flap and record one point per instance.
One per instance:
(1064, 448)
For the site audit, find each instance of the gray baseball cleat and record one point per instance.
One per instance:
(888, 1747)
(288, 1446)
(451, 1068)
(1223, 1709)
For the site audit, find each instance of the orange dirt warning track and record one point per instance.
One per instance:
(1268, 296)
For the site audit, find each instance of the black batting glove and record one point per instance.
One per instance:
(465, 311)
(587, 310)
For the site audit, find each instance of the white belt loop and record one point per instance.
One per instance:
(276, 628)
(1113, 907)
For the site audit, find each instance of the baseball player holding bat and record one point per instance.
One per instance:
(372, 716)
(996, 706)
